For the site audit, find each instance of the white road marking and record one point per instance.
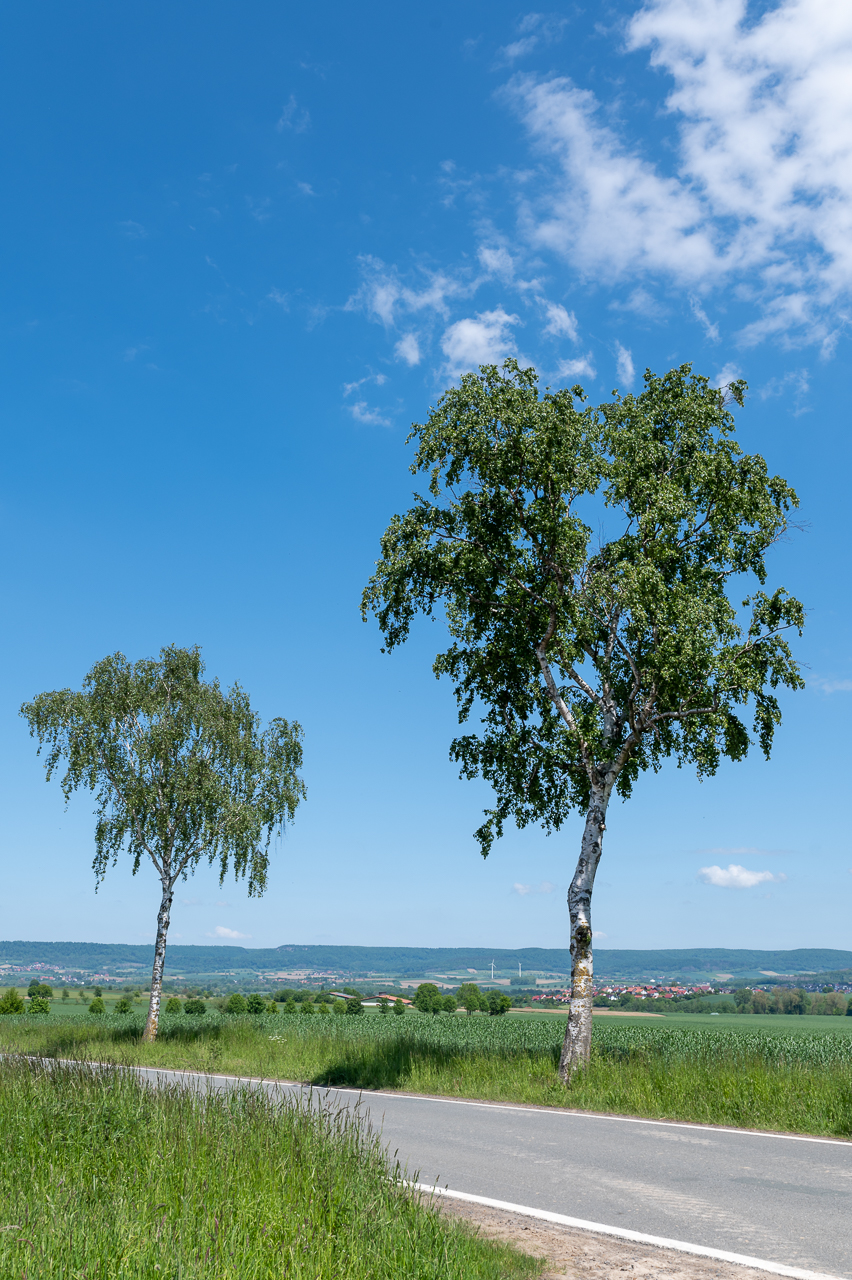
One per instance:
(638, 1237)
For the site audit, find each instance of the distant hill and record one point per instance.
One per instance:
(416, 961)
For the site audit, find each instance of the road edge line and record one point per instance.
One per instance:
(622, 1233)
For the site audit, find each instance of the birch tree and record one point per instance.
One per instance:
(591, 658)
(180, 771)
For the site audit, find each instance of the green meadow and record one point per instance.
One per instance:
(781, 1072)
(103, 1177)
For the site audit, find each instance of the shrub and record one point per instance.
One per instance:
(124, 1006)
(235, 1003)
(40, 989)
(97, 1006)
(339, 1006)
(449, 1004)
(173, 1005)
(323, 1008)
(256, 1003)
(195, 1007)
(384, 1005)
(38, 1004)
(398, 1006)
(354, 1005)
(290, 1006)
(270, 1007)
(11, 1002)
(307, 1007)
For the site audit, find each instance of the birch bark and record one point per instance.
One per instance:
(576, 1049)
(150, 1032)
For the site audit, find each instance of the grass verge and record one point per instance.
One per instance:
(793, 1083)
(102, 1177)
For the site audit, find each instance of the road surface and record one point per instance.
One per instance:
(786, 1200)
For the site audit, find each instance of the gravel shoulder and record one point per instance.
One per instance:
(582, 1255)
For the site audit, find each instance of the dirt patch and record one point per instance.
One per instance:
(582, 1255)
(624, 1013)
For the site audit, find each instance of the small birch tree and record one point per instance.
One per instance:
(180, 771)
(592, 659)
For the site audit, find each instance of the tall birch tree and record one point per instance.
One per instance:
(180, 771)
(592, 657)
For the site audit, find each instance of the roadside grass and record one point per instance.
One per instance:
(783, 1078)
(103, 1177)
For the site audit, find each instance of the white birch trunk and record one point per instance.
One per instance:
(577, 1048)
(150, 1032)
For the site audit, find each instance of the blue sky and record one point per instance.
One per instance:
(243, 248)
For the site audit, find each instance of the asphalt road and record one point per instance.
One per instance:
(786, 1200)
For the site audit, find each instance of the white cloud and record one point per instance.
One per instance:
(293, 117)
(282, 299)
(736, 877)
(560, 323)
(598, 934)
(757, 183)
(582, 367)
(726, 375)
(305, 189)
(624, 364)
(485, 338)
(408, 349)
(826, 685)
(222, 932)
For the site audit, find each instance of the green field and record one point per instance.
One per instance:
(787, 1073)
(100, 1176)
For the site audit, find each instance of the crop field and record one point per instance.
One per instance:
(789, 1077)
(102, 1177)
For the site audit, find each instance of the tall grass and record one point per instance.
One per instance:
(103, 1177)
(792, 1081)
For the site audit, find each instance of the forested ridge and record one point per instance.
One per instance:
(106, 956)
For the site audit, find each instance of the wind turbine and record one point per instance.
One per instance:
(492, 970)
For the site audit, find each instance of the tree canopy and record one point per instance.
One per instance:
(180, 771)
(590, 565)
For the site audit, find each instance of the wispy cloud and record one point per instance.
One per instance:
(221, 931)
(742, 851)
(624, 365)
(305, 189)
(534, 29)
(293, 117)
(826, 684)
(711, 330)
(737, 877)
(523, 889)
(133, 230)
(359, 408)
